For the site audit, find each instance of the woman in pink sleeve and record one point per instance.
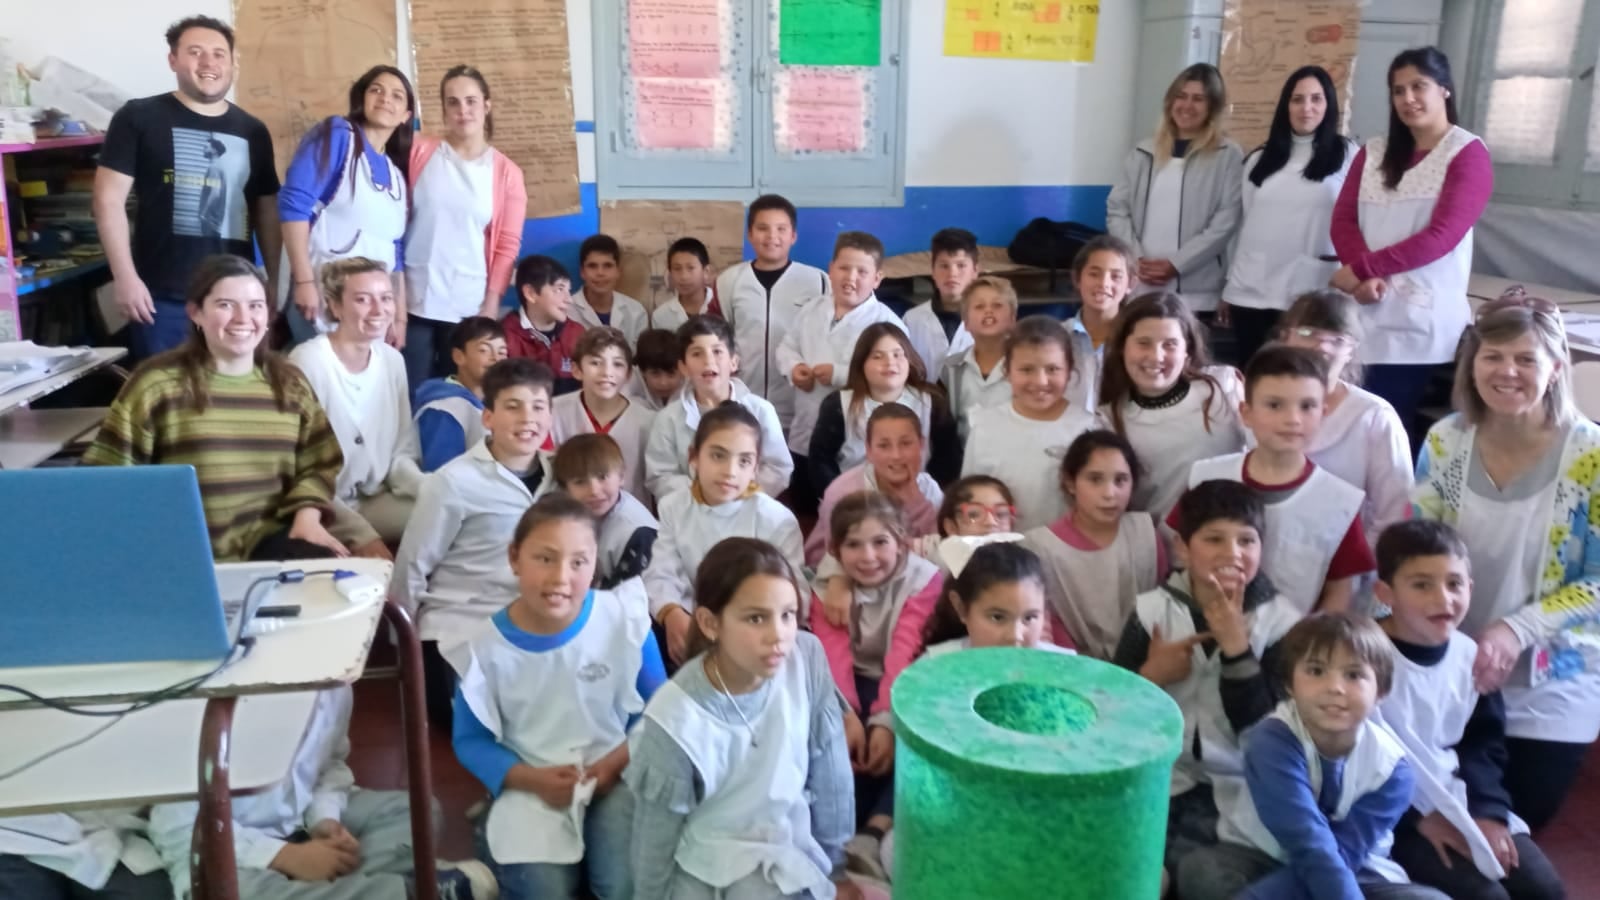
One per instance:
(468, 206)
(895, 592)
(1403, 231)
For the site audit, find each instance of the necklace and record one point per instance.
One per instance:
(722, 686)
(1171, 398)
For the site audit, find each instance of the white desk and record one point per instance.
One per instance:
(247, 722)
(28, 437)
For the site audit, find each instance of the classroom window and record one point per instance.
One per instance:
(1534, 101)
(722, 99)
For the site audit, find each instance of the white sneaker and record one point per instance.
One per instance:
(468, 879)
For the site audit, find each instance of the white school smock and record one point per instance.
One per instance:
(568, 706)
(816, 338)
(1026, 455)
(969, 389)
(370, 413)
(670, 316)
(451, 206)
(760, 321)
(1369, 766)
(1285, 233)
(1428, 708)
(84, 846)
(569, 417)
(666, 453)
(928, 337)
(854, 450)
(1169, 441)
(1420, 320)
(452, 570)
(1199, 696)
(755, 816)
(1083, 385)
(617, 527)
(945, 647)
(1092, 591)
(1303, 530)
(689, 529)
(875, 614)
(1363, 443)
(359, 220)
(627, 315)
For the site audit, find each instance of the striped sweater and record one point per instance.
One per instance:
(257, 466)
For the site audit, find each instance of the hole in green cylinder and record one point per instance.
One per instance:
(1038, 709)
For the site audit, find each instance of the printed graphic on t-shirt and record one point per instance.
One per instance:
(209, 174)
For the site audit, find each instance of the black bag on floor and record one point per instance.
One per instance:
(1050, 245)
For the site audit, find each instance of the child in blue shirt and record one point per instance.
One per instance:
(449, 411)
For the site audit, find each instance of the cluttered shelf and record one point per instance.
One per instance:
(54, 143)
(50, 277)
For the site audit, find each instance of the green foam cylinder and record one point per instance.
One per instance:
(1022, 774)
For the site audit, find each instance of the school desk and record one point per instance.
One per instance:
(247, 722)
(28, 437)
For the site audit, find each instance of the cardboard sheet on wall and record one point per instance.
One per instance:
(1263, 41)
(521, 48)
(298, 58)
(645, 228)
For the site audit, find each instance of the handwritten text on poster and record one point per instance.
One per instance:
(675, 38)
(1021, 29)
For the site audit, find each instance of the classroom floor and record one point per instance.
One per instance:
(377, 756)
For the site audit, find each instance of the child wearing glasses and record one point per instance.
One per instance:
(1099, 556)
(1361, 438)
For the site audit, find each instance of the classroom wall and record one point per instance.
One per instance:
(990, 144)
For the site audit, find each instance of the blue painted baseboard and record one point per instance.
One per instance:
(994, 214)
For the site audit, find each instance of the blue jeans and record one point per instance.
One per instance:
(170, 329)
(607, 832)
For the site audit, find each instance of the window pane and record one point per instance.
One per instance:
(1537, 37)
(680, 90)
(1524, 121)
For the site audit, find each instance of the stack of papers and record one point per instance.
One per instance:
(24, 362)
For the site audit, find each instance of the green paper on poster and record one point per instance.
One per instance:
(829, 32)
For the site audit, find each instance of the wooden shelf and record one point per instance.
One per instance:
(57, 143)
(27, 286)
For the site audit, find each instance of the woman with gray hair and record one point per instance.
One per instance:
(1515, 470)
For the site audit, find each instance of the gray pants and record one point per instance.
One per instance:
(366, 519)
(381, 821)
(1229, 871)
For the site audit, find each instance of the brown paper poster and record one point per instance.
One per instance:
(521, 48)
(298, 58)
(1263, 41)
(645, 228)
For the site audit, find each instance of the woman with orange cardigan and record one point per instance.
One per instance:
(468, 206)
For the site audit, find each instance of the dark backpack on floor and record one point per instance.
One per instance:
(1050, 245)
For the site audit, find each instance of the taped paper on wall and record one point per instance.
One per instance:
(1263, 41)
(1021, 29)
(676, 114)
(521, 48)
(821, 111)
(830, 32)
(675, 38)
(646, 228)
(298, 58)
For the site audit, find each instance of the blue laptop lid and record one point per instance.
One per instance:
(106, 564)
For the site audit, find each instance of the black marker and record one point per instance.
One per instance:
(281, 611)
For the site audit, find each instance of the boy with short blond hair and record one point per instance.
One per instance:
(975, 378)
(605, 368)
(589, 468)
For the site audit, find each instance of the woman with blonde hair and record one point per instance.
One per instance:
(1177, 202)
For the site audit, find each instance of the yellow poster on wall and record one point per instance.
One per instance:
(1021, 29)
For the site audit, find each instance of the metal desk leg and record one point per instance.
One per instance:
(213, 871)
(414, 719)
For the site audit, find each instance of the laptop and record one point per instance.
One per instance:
(113, 565)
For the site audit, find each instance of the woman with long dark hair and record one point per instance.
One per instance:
(468, 204)
(1290, 185)
(344, 195)
(1403, 231)
(1177, 200)
(241, 415)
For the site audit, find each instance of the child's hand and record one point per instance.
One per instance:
(1371, 291)
(1498, 649)
(802, 377)
(307, 526)
(1169, 662)
(1223, 607)
(836, 598)
(1437, 830)
(377, 549)
(677, 625)
(880, 751)
(1499, 836)
(823, 373)
(554, 784)
(845, 889)
(315, 860)
(333, 830)
(855, 740)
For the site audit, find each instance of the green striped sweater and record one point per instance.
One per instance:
(257, 466)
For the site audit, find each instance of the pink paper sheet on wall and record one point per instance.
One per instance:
(826, 111)
(675, 38)
(676, 114)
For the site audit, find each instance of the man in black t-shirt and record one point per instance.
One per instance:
(203, 172)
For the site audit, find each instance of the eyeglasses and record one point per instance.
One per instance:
(977, 513)
(1326, 340)
(1517, 297)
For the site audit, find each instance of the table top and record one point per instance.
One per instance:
(103, 356)
(325, 646)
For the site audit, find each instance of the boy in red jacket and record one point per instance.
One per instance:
(539, 329)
